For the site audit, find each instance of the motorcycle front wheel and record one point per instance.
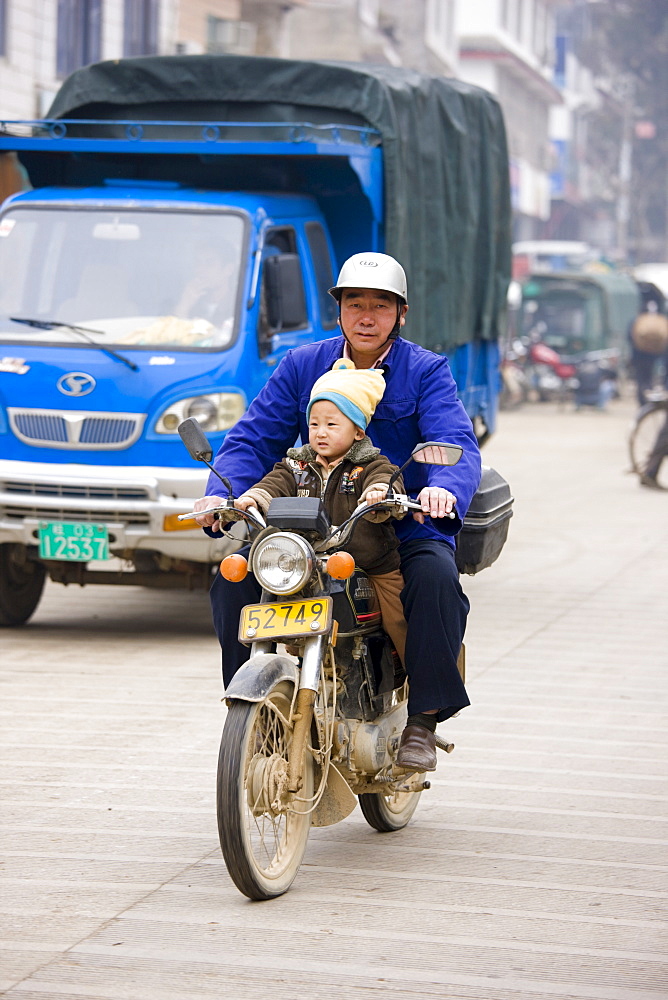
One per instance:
(263, 828)
(387, 812)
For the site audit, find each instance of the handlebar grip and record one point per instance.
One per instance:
(257, 515)
(414, 505)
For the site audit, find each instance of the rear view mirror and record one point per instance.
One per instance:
(433, 452)
(195, 440)
(436, 453)
(116, 231)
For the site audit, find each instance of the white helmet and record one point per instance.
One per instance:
(372, 270)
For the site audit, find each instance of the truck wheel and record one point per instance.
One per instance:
(21, 585)
(387, 812)
(263, 828)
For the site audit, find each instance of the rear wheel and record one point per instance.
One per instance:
(263, 828)
(387, 812)
(643, 438)
(21, 585)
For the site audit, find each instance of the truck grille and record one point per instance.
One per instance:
(134, 517)
(76, 429)
(32, 489)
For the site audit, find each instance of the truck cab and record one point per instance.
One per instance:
(123, 310)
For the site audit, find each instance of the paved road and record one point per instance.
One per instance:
(535, 868)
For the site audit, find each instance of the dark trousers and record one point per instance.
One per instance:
(435, 608)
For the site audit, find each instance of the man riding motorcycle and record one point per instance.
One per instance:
(419, 404)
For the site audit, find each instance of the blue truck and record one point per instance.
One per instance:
(180, 222)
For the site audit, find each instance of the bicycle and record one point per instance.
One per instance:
(647, 425)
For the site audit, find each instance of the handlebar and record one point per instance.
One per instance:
(400, 501)
(227, 513)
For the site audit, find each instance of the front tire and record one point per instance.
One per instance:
(21, 585)
(388, 812)
(263, 828)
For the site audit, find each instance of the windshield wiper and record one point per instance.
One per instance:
(51, 324)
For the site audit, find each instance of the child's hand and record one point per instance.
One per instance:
(375, 495)
(244, 502)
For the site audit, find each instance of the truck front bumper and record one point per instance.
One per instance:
(133, 502)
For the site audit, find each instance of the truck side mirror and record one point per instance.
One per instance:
(284, 289)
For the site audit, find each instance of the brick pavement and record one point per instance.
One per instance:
(534, 869)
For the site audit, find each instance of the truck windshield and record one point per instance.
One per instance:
(158, 280)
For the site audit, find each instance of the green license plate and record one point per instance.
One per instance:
(73, 541)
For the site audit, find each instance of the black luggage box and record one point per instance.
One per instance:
(485, 527)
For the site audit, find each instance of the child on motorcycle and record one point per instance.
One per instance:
(342, 467)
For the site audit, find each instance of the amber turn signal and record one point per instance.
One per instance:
(234, 568)
(170, 522)
(341, 565)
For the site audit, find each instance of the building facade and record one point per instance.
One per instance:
(505, 46)
(43, 42)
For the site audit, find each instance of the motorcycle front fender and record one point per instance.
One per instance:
(260, 675)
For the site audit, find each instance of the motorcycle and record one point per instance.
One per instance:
(549, 374)
(304, 741)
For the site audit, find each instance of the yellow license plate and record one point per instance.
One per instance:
(287, 620)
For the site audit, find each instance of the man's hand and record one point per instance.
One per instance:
(435, 501)
(208, 519)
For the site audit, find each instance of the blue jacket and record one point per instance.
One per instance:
(419, 404)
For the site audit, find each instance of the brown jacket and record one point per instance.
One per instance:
(373, 544)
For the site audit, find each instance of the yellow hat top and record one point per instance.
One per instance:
(355, 391)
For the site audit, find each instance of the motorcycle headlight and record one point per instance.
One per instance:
(282, 563)
(217, 411)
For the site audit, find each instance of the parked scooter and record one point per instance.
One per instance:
(302, 742)
(548, 373)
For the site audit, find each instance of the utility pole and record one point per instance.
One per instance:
(623, 212)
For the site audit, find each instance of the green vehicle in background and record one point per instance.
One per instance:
(580, 315)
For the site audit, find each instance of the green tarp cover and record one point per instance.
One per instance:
(447, 199)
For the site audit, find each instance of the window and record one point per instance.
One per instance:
(440, 27)
(324, 279)
(79, 34)
(236, 37)
(153, 280)
(512, 15)
(140, 27)
(505, 17)
(368, 12)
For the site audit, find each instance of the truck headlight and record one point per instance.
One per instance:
(217, 411)
(282, 563)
